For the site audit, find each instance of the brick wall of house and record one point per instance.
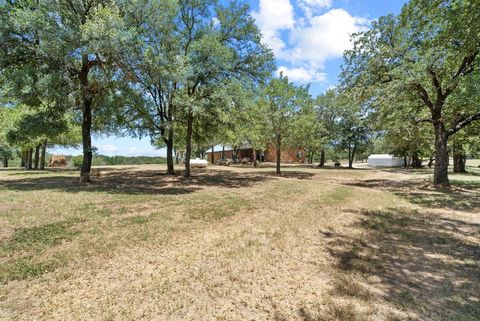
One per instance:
(218, 155)
(286, 156)
(245, 153)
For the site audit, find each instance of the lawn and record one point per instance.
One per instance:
(238, 243)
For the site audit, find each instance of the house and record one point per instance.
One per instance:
(288, 156)
(384, 160)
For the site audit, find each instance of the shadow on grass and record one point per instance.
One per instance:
(424, 266)
(285, 174)
(471, 172)
(427, 266)
(463, 196)
(146, 181)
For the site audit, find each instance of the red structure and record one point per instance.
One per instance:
(57, 161)
(288, 156)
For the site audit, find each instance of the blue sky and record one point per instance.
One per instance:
(307, 37)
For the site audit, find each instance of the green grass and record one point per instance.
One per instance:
(27, 267)
(315, 244)
(39, 237)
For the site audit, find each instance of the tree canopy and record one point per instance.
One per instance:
(418, 62)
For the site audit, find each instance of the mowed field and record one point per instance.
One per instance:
(239, 243)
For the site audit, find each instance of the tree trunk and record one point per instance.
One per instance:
(322, 158)
(459, 158)
(29, 158)
(440, 172)
(416, 161)
(254, 156)
(23, 161)
(169, 143)
(459, 164)
(223, 152)
(5, 161)
(176, 156)
(278, 147)
(87, 142)
(87, 99)
(351, 156)
(430, 162)
(234, 154)
(44, 155)
(37, 156)
(188, 151)
(213, 154)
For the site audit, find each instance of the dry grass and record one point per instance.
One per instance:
(239, 244)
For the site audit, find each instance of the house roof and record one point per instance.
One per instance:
(381, 156)
(219, 148)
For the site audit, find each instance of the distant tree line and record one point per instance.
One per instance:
(104, 160)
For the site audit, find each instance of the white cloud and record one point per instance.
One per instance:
(272, 17)
(302, 75)
(306, 41)
(318, 3)
(112, 150)
(107, 149)
(326, 37)
(310, 7)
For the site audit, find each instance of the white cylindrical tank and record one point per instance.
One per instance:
(384, 160)
(197, 162)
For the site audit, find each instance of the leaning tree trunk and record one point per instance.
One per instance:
(278, 147)
(87, 142)
(169, 143)
(188, 149)
(37, 156)
(440, 172)
(44, 155)
(430, 162)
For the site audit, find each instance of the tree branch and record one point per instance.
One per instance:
(467, 65)
(463, 123)
(436, 83)
(424, 95)
(422, 120)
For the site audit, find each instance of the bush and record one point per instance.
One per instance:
(75, 162)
